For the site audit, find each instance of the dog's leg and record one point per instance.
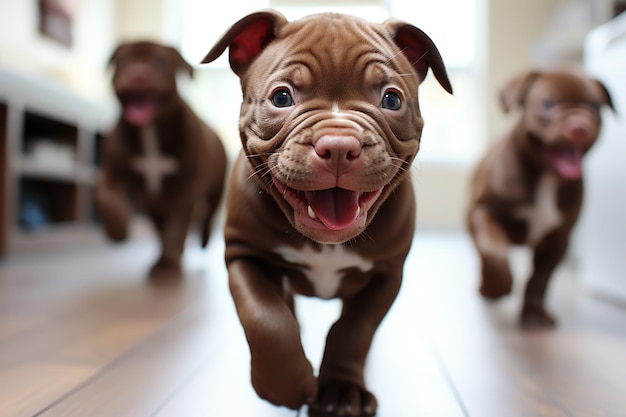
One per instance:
(492, 244)
(216, 175)
(172, 229)
(548, 254)
(281, 372)
(342, 389)
(206, 226)
(113, 207)
(214, 198)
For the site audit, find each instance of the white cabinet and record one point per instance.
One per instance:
(601, 244)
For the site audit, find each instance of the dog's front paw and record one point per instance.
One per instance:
(164, 271)
(288, 386)
(536, 317)
(115, 213)
(343, 399)
(496, 279)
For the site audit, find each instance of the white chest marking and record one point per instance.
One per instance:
(543, 216)
(324, 268)
(153, 165)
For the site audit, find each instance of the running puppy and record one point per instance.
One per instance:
(160, 154)
(320, 201)
(528, 188)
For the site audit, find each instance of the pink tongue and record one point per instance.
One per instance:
(336, 208)
(568, 161)
(139, 112)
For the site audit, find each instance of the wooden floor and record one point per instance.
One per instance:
(82, 334)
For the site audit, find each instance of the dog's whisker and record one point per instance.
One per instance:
(400, 164)
(393, 56)
(262, 170)
(256, 155)
(268, 170)
(412, 63)
(401, 168)
(403, 75)
(420, 58)
(363, 236)
(256, 172)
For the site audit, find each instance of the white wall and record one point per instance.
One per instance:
(136, 19)
(98, 27)
(514, 27)
(601, 237)
(24, 49)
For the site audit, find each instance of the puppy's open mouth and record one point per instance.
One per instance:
(334, 208)
(566, 160)
(139, 108)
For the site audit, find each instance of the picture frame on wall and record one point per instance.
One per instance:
(56, 18)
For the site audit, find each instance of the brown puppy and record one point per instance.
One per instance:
(321, 204)
(159, 153)
(528, 189)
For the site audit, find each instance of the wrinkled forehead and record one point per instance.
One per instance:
(334, 36)
(338, 50)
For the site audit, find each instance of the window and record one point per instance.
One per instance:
(203, 24)
(451, 122)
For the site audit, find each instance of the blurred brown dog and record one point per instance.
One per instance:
(321, 203)
(528, 189)
(160, 154)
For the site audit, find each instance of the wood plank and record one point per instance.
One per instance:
(12, 327)
(139, 382)
(136, 384)
(73, 325)
(87, 342)
(82, 334)
(499, 369)
(221, 387)
(27, 388)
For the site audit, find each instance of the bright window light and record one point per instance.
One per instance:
(203, 24)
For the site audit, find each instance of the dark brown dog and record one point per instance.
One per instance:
(159, 154)
(528, 189)
(321, 203)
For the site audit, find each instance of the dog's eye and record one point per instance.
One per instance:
(161, 63)
(391, 101)
(549, 104)
(595, 106)
(282, 98)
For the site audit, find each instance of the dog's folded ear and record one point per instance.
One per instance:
(179, 61)
(420, 50)
(247, 38)
(513, 94)
(606, 100)
(119, 50)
